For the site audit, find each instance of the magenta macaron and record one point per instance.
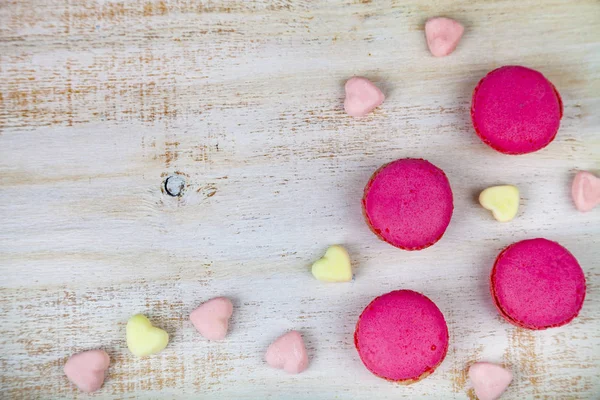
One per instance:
(401, 336)
(408, 203)
(537, 284)
(516, 110)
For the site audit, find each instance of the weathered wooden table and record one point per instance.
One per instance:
(101, 101)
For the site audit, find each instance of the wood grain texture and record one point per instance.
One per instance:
(101, 100)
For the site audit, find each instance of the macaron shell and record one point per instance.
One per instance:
(408, 203)
(516, 110)
(401, 336)
(537, 284)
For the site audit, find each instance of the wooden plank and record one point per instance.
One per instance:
(101, 101)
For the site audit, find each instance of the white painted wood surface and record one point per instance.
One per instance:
(101, 100)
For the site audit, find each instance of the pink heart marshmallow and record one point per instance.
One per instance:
(211, 319)
(443, 35)
(362, 96)
(585, 191)
(489, 380)
(86, 370)
(288, 352)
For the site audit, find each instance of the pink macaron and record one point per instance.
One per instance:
(537, 284)
(401, 336)
(516, 110)
(408, 203)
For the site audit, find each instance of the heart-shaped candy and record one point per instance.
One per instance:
(489, 380)
(585, 191)
(443, 35)
(334, 266)
(502, 201)
(144, 339)
(362, 96)
(86, 370)
(288, 353)
(211, 319)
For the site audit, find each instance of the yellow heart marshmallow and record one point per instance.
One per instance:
(144, 339)
(502, 201)
(334, 266)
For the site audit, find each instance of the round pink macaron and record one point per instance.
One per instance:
(537, 284)
(408, 203)
(401, 336)
(516, 110)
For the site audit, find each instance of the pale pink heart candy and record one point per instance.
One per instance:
(288, 353)
(489, 380)
(86, 370)
(362, 96)
(211, 319)
(443, 35)
(585, 191)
